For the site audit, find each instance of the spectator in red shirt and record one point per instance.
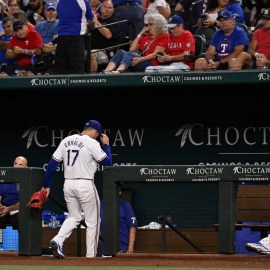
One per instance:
(144, 48)
(181, 43)
(258, 54)
(25, 45)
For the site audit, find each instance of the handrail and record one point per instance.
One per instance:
(88, 61)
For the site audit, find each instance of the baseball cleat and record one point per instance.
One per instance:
(259, 248)
(57, 250)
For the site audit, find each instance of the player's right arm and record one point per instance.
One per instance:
(51, 168)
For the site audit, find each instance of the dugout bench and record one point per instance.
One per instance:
(30, 180)
(229, 178)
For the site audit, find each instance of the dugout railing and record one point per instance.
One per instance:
(144, 81)
(228, 178)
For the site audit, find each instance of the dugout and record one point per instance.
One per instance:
(225, 114)
(227, 177)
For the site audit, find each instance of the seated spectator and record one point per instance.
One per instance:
(227, 43)
(157, 7)
(257, 11)
(181, 43)
(258, 53)
(144, 48)
(4, 43)
(9, 199)
(48, 30)
(35, 11)
(213, 7)
(13, 5)
(3, 10)
(23, 52)
(104, 37)
(22, 16)
(208, 23)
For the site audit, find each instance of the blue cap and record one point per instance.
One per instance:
(50, 6)
(174, 20)
(226, 14)
(94, 124)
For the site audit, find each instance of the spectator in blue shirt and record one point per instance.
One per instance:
(48, 30)
(9, 199)
(4, 42)
(226, 44)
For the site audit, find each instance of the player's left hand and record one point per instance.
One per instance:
(104, 139)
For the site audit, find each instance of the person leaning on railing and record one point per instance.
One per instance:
(143, 50)
(25, 53)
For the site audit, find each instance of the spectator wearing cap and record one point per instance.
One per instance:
(258, 53)
(48, 30)
(24, 46)
(158, 7)
(207, 24)
(143, 50)
(22, 16)
(226, 43)
(181, 43)
(72, 28)
(256, 12)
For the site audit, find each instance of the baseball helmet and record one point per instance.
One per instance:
(37, 199)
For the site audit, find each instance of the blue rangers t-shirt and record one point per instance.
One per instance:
(73, 16)
(225, 45)
(127, 220)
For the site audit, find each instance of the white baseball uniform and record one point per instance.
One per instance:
(80, 155)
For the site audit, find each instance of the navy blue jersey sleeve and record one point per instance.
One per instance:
(51, 168)
(107, 161)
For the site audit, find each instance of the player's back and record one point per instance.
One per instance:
(80, 155)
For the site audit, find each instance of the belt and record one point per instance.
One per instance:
(128, 4)
(79, 179)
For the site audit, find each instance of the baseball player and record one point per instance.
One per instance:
(80, 154)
